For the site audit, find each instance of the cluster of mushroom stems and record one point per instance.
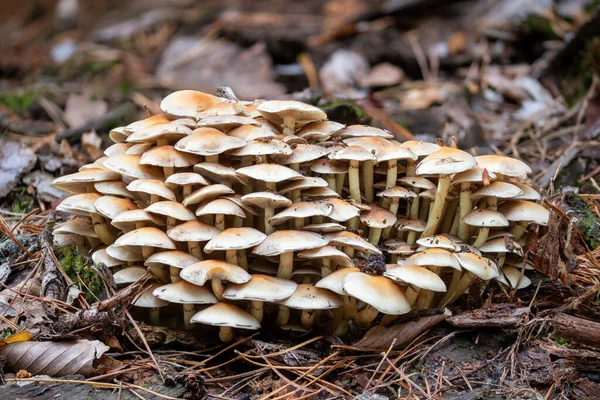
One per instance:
(243, 212)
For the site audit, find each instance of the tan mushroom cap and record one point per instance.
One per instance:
(125, 253)
(68, 239)
(277, 110)
(398, 247)
(303, 209)
(172, 258)
(98, 164)
(78, 226)
(529, 193)
(149, 236)
(512, 277)
(266, 200)
(186, 178)
(193, 231)
(261, 288)
(111, 206)
(237, 199)
(250, 132)
(363, 131)
(320, 193)
(342, 210)
(139, 148)
(473, 175)
(377, 291)
(263, 267)
(416, 276)
(102, 256)
(309, 297)
(280, 242)
(335, 280)
(433, 257)
(302, 153)
(337, 256)
(75, 183)
(225, 314)
(148, 300)
(498, 189)
(235, 239)
(79, 204)
(208, 142)
(225, 122)
(413, 225)
(128, 165)
(328, 166)
(171, 209)
(483, 267)
(503, 165)
(352, 153)
(152, 186)
(272, 173)
(428, 194)
(188, 103)
(467, 248)
(417, 182)
(485, 217)
(446, 161)
(395, 152)
(226, 107)
(420, 148)
(203, 271)
(325, 227)
(218, 172)
(437, 241)
(320, 130)
(146, 122)
(502, 245)
(378, 217)
(167, 156)
(207, 193)
(126, 221)
(129, 275)
(183, 292)
(527, 211)
(261, 147)
(165, 131)
(397, 192)
(374, 144)
(221, 206)
(118, 134)
(113, 188)
(307, 182)
(353, 240)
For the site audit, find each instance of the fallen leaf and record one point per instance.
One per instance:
(380, 337)
(22, 336)
(15, 160)
(384, 74)
(92, 144)
(80, 109)
(342, 73)
(54, 358)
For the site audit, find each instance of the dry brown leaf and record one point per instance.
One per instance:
(380, 337)
(54, 358)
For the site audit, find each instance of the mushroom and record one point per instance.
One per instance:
(416, 277)
(235, 241)
(502, 165)
(130, 275)
(523, 213)
(193, 232)
(351, 241)
(412, 226)
(484, 219)
(259, 149)
(266, 200)
(188, 103)
(289, 114)
(225, 123)
(209, 142)
(226, 316)
(216, 271)
(392, 154)
(174, 212)
(79, 226)
(326, 255)
(187, 181)
(420, 149)
(147, 300)
(220, 208)
(309, 298)
(135, 219)
(394, 194)
(83, 181)
(474, 266)
(513, 278)
(185, 293)
(335, 283)
(377, 219)
(161, 134)
(331, 168)
(466, 180)
(319, 131)
(502, 246)
(128, 165)
(301, 210)
(153, 187)
(168, 158)
(354, 155)
(417, 184)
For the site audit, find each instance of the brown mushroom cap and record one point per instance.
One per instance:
(79, 204)
(171, 209)
(149, 236)
(420, 148)
(260, 147)
(498, 189)
(337, 256)
(342, 210)
(186, 178)
(218, 172)
(207, 193)
(126, 220)
(413, 225)
(511, 276)
(378, 291)
(221, 206)
(280, 242)
(148, 300)
(328, 166)
(485, 217)
(78, 226)
(378, 217)
(325, 227)
(302, 184)
(76, 183)
(433, 257)
(319, 131)
(102, 256)
(226, 122)
(250, 132)
(437, 241)
(166, 131)
(125, 253)
(193, 231)
(188, 103)
(277, 110)
(474, 175)
(111, 206)
(128, 165)
(146, 122)
(335, 280)
(417, 182)
(208, 142)
(363, 131)
(352, 153)
(397, 192)
(483, 267)
(172, 258)
(114, 188)
(167, 156)
(266, 200)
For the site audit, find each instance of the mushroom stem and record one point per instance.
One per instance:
(225, 334)
(298, 223)
(339, 183)
(393, 206)
(171, 222)
(349, 307)
(482, 236)
(283, 315)
(217, 287)
(367, 169)
(449, 216)
(212, 159)
(411, 294)
(286, 266)
(103, 229)
(161, 273)
(354, 180)
(464, 208)
(331, 182)
(307, 318)
(295, 196)
(374, 236)
(289, 125)
(147, 251)
(168, 171)
(366, 316)
(519, 229)
(411, 167)
(427, 294)
(257, 310)
(438, 207)
(388, 319)
(231, 256)
(390, 182)
(454, 293)
(220, 221)
(326, 267)
(242, 261)
(188, 312)
(186, 191)
(154, 198)
(413, 213)
(154, 315)
(174, 273)
(269, 211)
(338, 317)
(196, 250)
(455, 222)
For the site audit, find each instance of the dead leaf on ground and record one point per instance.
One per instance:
(22, 336)
(15, 160)
(79, 109)
(54, 358)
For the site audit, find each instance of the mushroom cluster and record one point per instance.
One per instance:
(247, 211)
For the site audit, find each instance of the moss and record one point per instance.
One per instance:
(560, 340)
(77, 268)
(19, 100)
(588, 223)
(345, 111)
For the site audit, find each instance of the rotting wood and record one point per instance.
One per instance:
(498, 316)
(577, 329)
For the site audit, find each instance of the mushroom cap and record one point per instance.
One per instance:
(126, 221)
(207, 193)
(272, 173)
(529, 193)
(147, 300)
(146, 122)
(263, 267)
(166, 131)
(188, 103)
(307, 182)
(484, 217)
(512, 277)
(395, 246)
(446, 161)
(320, 193)
(221, 206)
(372, 143)
(280, 242)
(416, 276)
(319, 131)
(266, 200)
(149, 236)
(363, 131)
(473, 175)
(483, 267)
(113, 188)
(342, 210)
(330, 252)
(277, 110)
(420, 148)
(352, 153)
(172, 258)
(225, 107)
(309, 297)
(302, 153)
(235, 239)
(377, 291)
(397, 192)
(193, 231)
(68, 239)
(140, 148)
(225, 314)
(171, 209)
(378, 217)
(218, 172)
(111, 206)
(124, 253)
(417, 182)
(78, 226)
(302, 209)
(503, 165)
(203, 271)
(429, 194)
(523, 210)
(183, 292)
(186, 178)
(129, 166)
(467, 248)
(433, 257)
(129, 275)
(261, 288)
(325, 227)
(208, 142)
(75, 183)
(335, 280)
(437, 241)
(345, 238)
(167, 156)
(413, 225)
(327, 166)
(102, 256)
(79, 204)
(250, 132)
(118, 134)
(502, 245)
(226, 122)
(498, 189)
(151, 186)
(260, 147)
(395, 152)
